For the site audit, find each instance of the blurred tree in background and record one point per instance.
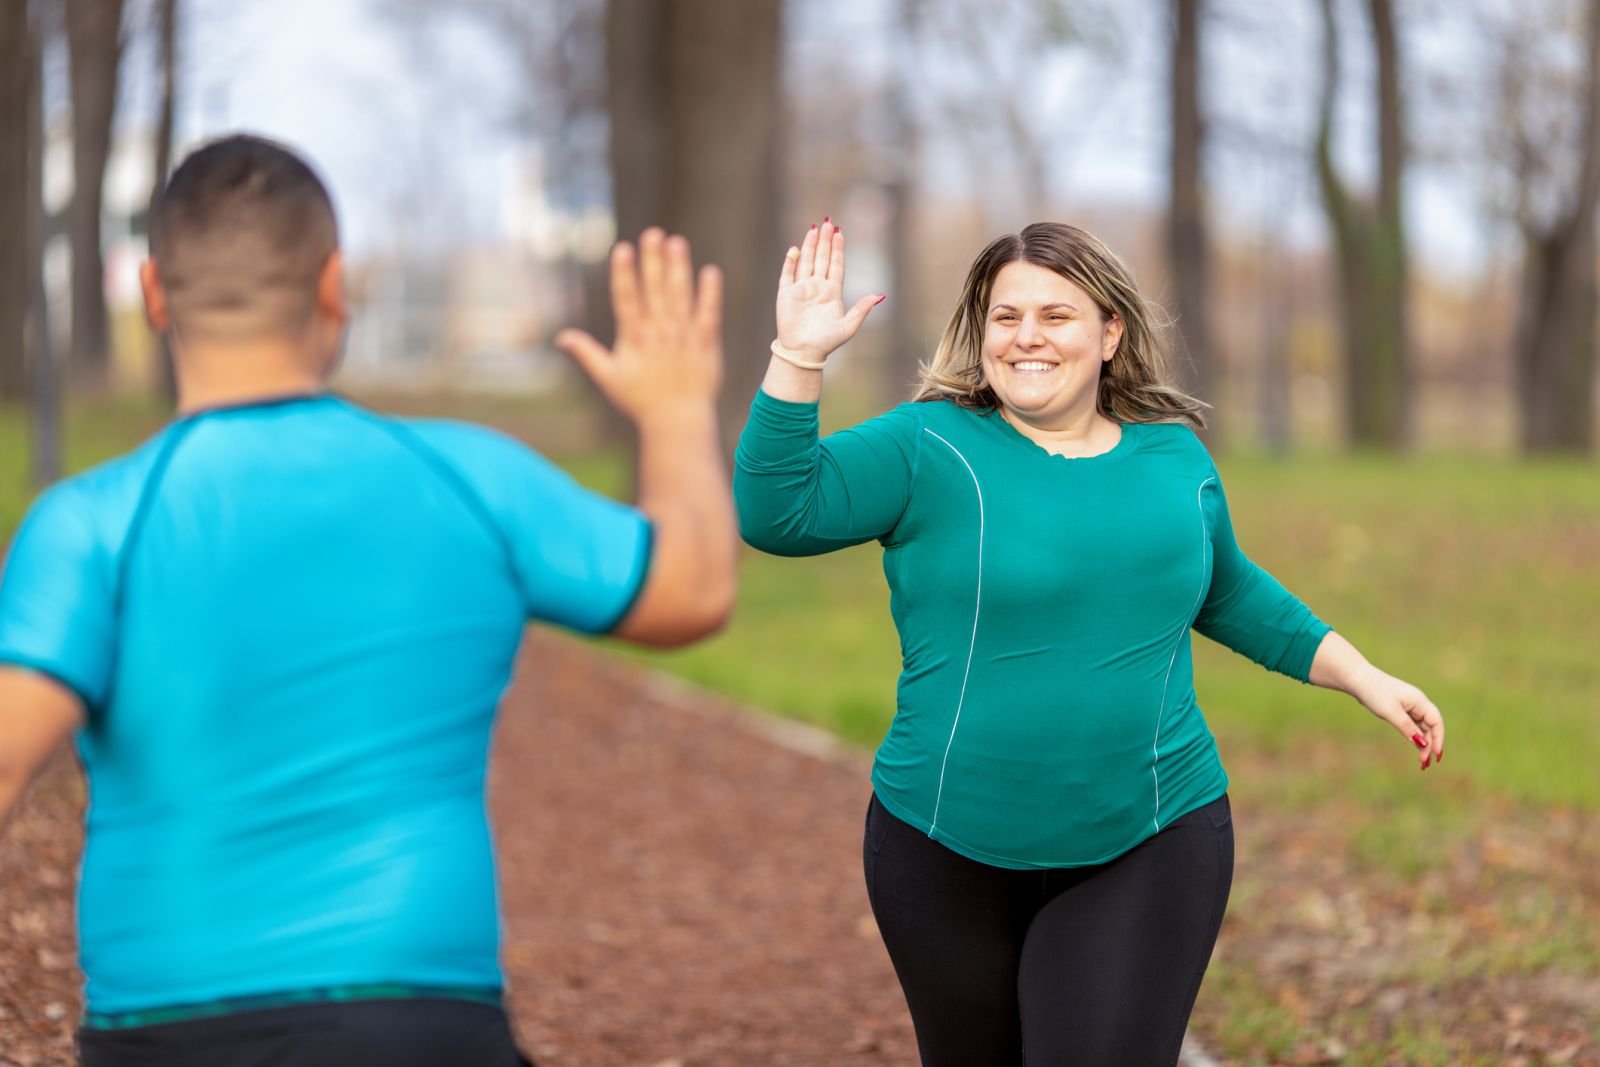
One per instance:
(18, 86)
(1546, 135)
(1369, 241)
(930, 126)
(697, 146)
(166, 61)
(1188, 241)
(95, 40)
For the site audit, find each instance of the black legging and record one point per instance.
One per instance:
(1083, 966)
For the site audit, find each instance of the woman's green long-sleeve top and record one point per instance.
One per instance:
(1046, 712)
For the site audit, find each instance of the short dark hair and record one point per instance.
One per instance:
(239, 235)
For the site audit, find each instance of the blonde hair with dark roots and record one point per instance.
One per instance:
(1137, 384)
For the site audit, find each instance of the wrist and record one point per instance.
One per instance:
(682, 417)
(811, 349)
(1362, 680)
(802, 359)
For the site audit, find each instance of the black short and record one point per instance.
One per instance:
(431, 1032)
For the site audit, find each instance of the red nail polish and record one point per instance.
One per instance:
(880, 299)
(813, 225)
(827, 218)
(1416, 739)
(839, 230)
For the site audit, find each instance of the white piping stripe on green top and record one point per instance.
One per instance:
(976, 604)
(1182, 634)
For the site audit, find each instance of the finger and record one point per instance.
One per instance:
(836, 262)
(708, 305)
(592, 357)
(680, 277)
(625, 303)
(858, 314)
(824, 249)
(808, 253)
(1435, 725)
(652, 269)
(1426, 721)
(791, 264)
(1401, 720)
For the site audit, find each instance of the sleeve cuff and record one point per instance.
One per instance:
(1304, 650)
(51, 671)
(644, 556)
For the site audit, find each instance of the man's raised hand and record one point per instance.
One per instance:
(668, 350)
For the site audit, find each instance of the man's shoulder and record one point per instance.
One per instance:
(467, 442)
(104, 497)
(499, 468)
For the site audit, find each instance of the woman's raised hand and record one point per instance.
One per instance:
(812, 320)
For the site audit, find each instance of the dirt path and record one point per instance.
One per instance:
(679, 890)
(676, 891)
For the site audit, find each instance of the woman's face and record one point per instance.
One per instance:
(1043, 343)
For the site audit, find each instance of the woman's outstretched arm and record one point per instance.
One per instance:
(1247, 610)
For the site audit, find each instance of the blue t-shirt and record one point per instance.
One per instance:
(290, 624)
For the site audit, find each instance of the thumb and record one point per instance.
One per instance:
(592, 357)
(858, 314)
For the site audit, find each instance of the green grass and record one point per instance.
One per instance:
(1478, 580)
(94, 431)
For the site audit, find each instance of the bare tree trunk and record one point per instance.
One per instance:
(94, 42)
(1279, 291)
(1370, 243)
(903, 353)
(695, 147)
(1389, 384)
(1555, 344)
(43, 364)
(1187, 240)
(16, 104)
(168, 60)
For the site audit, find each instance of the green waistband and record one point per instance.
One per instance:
(234, 1005)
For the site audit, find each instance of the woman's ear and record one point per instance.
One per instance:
(1111, 338)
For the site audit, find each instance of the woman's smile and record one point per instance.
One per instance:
(1043, 345)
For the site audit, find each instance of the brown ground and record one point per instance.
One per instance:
(676, 891)
(679, 890)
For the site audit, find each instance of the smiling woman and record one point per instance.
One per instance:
(1055, 294)
(1049, 847)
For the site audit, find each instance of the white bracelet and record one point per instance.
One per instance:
(790, 358)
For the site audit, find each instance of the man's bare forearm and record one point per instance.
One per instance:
(37, 714)
(683, 488)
